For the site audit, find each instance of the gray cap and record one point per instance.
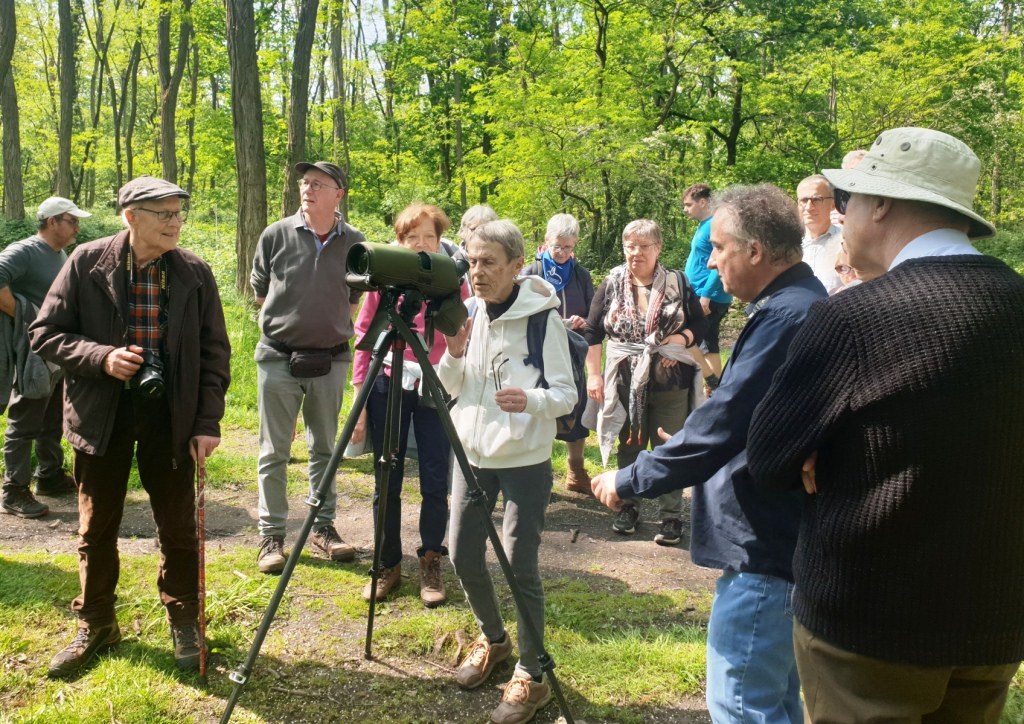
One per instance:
(326, 167)
(57, 205)
(147, 188)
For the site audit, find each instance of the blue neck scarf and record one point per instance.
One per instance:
(557, 275)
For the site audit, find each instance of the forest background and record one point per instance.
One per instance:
(604, 109)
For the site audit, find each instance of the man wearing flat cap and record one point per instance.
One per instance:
(302, 357)
(909, 565)
(27, 269)
(136, 322)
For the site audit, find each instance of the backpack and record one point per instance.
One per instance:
(568, 427)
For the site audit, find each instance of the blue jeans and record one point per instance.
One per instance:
(752, 673)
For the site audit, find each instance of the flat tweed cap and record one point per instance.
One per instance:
(147, 188)
(326, 167)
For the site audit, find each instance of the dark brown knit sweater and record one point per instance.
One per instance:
(911, 389)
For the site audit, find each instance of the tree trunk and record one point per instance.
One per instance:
(250, 154)
(299, 104)
(67, 43)
(191, 124)
(170, 82)
(340, 90)
(14, 193)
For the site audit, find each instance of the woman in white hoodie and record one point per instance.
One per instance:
(506, 422)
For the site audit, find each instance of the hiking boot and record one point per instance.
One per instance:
(577, 480)
(389, 579)
(87, 643)
(22, 503)
(522, 699)
(326, 543)
(63, 484)
(626, 521)
(480, 661)
(671, 532)
(432, 591)
(271, 556)
(185, 637)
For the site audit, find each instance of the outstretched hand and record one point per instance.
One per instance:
(457, 344)
(603, 487)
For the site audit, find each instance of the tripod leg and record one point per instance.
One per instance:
(315, 501)
(479, 500)
(386, 466)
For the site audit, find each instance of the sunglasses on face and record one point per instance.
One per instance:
(841, 199)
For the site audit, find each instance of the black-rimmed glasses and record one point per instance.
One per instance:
(496, 369)
(841, 198)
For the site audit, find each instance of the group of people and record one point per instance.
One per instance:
(871, 493)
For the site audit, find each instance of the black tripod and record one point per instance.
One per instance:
(401, 306)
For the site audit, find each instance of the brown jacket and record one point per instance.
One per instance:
(85, 317)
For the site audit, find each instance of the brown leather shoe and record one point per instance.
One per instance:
(577, 480)
(432, 591)
(480, 661)
(326, 543)
(88, 641)
(389, 580)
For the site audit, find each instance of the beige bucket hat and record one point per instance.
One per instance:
(918, 164)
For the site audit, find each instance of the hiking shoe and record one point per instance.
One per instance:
(480, 661)
(522, 699)
(185, 637)
(432, 591)
(63, 484)
(389, 579)
(577, 480)
(671, 532)
(326, 543)
(626, 521)
(22, 503)
(87, 642)
(271, 556)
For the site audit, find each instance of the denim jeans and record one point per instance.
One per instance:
(752, 674)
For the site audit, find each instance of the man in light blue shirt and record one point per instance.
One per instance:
(705, 282)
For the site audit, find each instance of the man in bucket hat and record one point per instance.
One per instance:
(909, 566)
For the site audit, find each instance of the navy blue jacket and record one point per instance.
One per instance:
(734, 525)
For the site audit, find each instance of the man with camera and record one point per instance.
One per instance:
(138, 327)
(302, 358)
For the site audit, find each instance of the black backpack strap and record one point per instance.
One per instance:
(536, 330)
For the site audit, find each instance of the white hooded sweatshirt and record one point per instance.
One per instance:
(497, 439)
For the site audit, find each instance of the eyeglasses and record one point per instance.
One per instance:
(73, 221)
(560, 249)
(165, 216)
(841, 199)
(811, 200)
(316, 185)
(638, 248)
(496, 370)
(843, 268)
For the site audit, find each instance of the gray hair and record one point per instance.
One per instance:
(562, 226)
(504, 233)
(643, 228)
(763, 212)
(476, 216)
(816, 178)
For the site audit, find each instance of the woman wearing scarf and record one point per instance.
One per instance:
(652, 320)
(558, 266)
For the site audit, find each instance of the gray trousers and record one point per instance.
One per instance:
(280, 398)
(526, 491)
(39, 421)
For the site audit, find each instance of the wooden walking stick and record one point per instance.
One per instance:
(201, 530)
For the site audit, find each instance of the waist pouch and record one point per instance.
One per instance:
(306, 363)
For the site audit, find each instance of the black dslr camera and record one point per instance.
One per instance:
(148, 382)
